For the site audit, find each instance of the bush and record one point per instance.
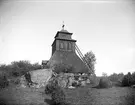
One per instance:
(133, 78)
(58, 96)
(3, 81)
(21, 67)
(16, 81)
(56, 92)
(116, 77)
(18, 68)
(127, 80)
(94, 80)
(51, 86)
(104, 83)
(65, 68)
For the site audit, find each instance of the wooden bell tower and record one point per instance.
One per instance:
(63, 42)
(64, 51)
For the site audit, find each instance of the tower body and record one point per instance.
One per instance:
(63, 51)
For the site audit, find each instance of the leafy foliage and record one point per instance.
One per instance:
(133, 78)
(104, 74)
(56, 92)
(51, 86)
(18, 68)
(58, 96)
(128, 79)
(91, 61)
(3, 81)
(105, 83)
(94, 80)
(116, 77)
(65, 68)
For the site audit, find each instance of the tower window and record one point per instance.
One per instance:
(61, 45)
(69, 46)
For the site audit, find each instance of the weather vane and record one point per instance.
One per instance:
(63, 25)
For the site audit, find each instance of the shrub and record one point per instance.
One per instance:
(3, 81)
(21, 67)
(127, 80)
(51, 86)
(65, 68)
(104, 83)
(56, 92)
(133, 78)
(16, 81)
(93, 80)
(58, 96)
(116, 77)
(18, 68)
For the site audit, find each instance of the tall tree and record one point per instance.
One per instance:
(91, 61)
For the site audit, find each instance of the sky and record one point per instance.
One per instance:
(28, 28)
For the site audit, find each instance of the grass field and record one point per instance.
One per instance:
(92, 96)
(79, 96)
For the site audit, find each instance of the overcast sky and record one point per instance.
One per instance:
(28, 27)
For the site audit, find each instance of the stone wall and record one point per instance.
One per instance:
(68, 80)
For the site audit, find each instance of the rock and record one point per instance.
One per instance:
(87, 81)
(71, 87)
(39, 78)
(83, 83)
(62, 83)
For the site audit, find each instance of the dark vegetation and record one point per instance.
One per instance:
(94, 80)
(65, 68)
(12, 71)
(121, 80)
(91, 61)
(18, 68)
(56, 92)
(3, 81)
(105, 83)
(128, 79)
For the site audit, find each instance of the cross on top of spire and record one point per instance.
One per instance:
(63, 26)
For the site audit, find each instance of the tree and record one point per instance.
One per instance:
(21, 67)
(91, 61)
(104, 74)
(116, 77)
(127, 79)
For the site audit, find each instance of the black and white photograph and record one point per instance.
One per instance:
(67, 52)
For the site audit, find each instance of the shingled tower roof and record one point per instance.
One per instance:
(63, 51)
